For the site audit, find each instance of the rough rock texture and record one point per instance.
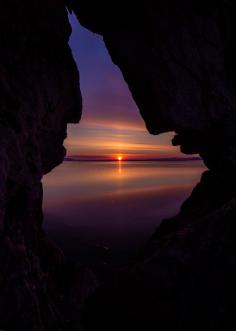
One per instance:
(39, 95)
(39, 86)
(178, 58)
(183, 280)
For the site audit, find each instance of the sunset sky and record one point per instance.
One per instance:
(111, 123)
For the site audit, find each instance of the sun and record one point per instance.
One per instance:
(119, 157)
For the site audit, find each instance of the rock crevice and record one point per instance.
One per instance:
(178, 59)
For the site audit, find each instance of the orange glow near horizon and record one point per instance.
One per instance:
(111, 124)
(119, 157)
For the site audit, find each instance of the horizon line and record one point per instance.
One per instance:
(79, 159)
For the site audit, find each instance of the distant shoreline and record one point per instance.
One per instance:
(177, 159)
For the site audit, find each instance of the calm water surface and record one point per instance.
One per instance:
(113, 206)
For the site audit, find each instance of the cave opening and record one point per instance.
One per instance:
(117, 182)
(119, 189)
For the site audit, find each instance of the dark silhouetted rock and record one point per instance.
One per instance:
(178, 58)
(39, 95)
(182, 280)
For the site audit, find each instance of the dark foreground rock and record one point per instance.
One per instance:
(38, 297)
(39, 95)
(183, 280)
(178, 58)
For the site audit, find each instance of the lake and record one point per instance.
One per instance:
(93, 209)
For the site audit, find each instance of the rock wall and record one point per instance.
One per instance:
(39, 95)
(178, 58)
(183, 280)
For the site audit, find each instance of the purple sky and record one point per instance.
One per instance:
(111, 123)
